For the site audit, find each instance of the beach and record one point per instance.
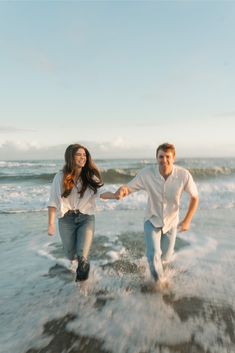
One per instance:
(116, 310)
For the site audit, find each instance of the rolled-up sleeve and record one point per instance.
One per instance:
(55, 192)
(137, 183)
(190, 186)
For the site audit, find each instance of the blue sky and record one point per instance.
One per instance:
(120, 76)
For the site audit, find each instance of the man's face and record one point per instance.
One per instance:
(165, 159)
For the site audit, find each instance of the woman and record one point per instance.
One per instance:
(73, 194)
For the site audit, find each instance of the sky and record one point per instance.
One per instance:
(120, 77)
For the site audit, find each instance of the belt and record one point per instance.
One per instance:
(73, 212)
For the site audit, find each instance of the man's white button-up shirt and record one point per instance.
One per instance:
(163, 195)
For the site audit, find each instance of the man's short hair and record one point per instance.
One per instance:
(166, 147)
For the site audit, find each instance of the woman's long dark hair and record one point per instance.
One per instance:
(90, 174)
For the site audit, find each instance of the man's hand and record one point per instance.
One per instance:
(183, 226)
(122, 192)
(51, 229)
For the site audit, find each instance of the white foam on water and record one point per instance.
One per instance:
(137, 323)
(30, 197)
(59, 261)
(23, 198)
(134, 322)
(115, 255)
(208, 265)
(22, 164)
(129, 320)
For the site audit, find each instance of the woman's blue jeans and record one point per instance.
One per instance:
(76, 232)
(159, 247)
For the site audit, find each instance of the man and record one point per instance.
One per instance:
(164, 184)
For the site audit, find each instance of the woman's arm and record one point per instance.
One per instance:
(51, 220)
(108, 195)
(122, 192)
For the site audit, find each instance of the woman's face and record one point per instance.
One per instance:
(80, 158)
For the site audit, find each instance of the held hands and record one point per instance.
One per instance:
(121, 192)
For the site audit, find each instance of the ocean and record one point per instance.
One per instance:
(116, 311)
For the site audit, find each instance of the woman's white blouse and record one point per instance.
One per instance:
(85, 204)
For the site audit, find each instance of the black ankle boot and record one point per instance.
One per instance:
(83, 269)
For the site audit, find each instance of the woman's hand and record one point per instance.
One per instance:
(51, 229)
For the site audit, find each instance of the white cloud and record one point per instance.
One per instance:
(120, 142)
(10, 129)
(26, 150)
(119, 148)
(24, 145)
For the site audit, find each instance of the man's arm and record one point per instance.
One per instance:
(184, 225)
(136, 184)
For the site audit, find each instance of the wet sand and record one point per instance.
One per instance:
(61, 339)
(66, 341)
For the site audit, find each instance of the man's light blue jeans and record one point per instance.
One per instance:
(76, 232)
(159, 247)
